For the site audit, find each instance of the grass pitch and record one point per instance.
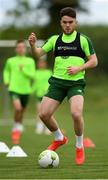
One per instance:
(96, 127)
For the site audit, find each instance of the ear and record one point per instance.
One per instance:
(60, 22)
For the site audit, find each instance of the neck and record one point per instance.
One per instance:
(69, 34)
(21, 55)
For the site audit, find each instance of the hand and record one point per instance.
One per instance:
(32, 39)
(73, 69)
(21, 66)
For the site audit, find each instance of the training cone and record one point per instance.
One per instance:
(88, 143)
(16, 151)
(4, 148)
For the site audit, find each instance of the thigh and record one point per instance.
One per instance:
(48, 105)
(17, 104)
(75, 90)
(16, 101)
(76, 104)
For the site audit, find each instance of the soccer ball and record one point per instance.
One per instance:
(48, 159)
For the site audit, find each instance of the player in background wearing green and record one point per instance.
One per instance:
(39, 89)
(74, 54)
(18, 74)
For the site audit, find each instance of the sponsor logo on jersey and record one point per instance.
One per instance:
(67, 48)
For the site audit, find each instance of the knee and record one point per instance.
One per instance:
(44, 115)
(76, 115)
(18, 109)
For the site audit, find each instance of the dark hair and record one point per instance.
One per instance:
(20, 41)
(68, 11)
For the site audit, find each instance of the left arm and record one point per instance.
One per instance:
(91, 63)
(6, 73)
(91, 57)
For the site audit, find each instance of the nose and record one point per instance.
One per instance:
(67, 24)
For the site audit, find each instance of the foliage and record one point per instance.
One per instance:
(24, 14)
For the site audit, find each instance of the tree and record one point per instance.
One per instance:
(23, 14)
(27, 16)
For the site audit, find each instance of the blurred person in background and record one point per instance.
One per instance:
(39, 89)
(74, 53)
(18, 73)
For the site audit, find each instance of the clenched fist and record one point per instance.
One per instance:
(32, 39)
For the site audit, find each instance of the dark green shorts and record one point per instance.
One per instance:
(23, 98)
(59, 88)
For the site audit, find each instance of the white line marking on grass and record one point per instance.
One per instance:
(9, 122)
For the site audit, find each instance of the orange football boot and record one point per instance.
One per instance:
(56, 144)
(80, 156)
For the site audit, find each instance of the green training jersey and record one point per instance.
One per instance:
(40, 85)
(61, 63)
(19, 79)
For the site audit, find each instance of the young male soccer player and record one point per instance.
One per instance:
(74, 54)
(40, 87)
(18, 73)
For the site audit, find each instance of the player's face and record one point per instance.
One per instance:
(68, 24)
(42, 64)
(21, 49)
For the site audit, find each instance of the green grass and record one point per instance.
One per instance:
(96, 127)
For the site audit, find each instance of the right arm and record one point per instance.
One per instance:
(47, 47)
(37, 52)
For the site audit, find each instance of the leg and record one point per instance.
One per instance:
(18, 111)
(39, 123)
(19, 104)
(76, 106)
(47, 108)
(49, 105)
(18, 115)
(40, 127)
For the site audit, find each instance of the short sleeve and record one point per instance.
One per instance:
(49, 44)
(87, 46)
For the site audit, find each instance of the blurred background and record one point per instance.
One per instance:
(18, 18)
